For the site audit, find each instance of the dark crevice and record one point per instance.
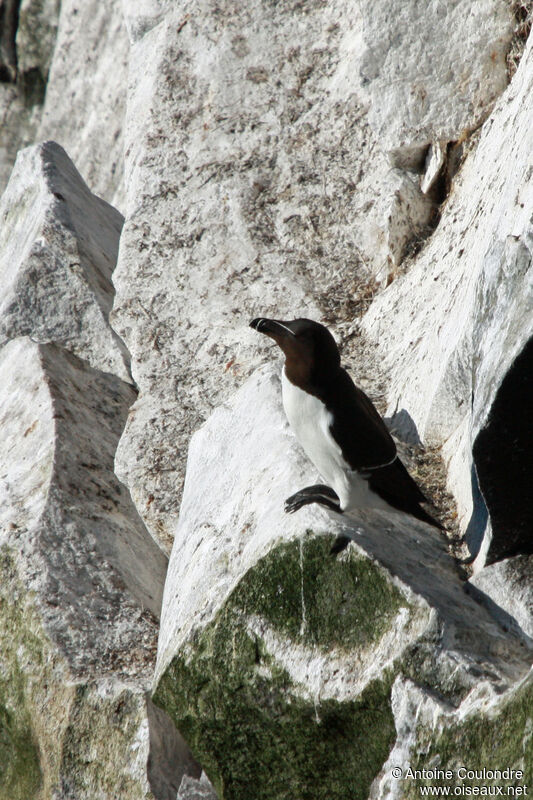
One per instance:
(170, 758)
(503, 455)
(453, 160)
(9, 20)
(438, 193)
(477, 525)
(32, 86)
(417, 242)
(31, 83)
(523, 14)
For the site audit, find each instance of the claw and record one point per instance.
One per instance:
(323, 495)
(293, 503)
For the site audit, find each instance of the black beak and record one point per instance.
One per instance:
(271, 327)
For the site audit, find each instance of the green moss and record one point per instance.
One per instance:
(503, 739)
(20, 774)
(314, 598)
(57, 737)
(421, 663)
(255, 735)
(101, 730)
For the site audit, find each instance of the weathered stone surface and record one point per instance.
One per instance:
(193, 789)
(22, 86)
(492, 732)
(144, 15)
(86, 93)
(433, 70)
(449, 351)
(18, 124)
(508, 584)
(257, 615)
(170, 761)
(489, 732)
(8, 29)
(74, 59)
(255, 185)
(407, 211)
(259, 182)
(58, 248)
(413, 709)
(36, 37)
(435, 161)
(81, 578)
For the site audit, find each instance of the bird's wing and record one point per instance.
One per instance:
(368, 447)
(394, 485)
(358, 428)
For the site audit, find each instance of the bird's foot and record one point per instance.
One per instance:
(319, 493)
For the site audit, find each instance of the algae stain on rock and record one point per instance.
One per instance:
(20, 773)
(241, 713)
(499, 739)
(344, 602)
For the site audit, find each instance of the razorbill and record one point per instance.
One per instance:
(338, 427)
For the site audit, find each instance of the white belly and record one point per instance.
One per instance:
(310, 421)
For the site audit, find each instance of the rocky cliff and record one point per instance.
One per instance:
(167, 631)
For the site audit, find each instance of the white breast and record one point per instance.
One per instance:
(310, 421)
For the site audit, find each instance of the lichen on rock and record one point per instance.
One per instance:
(269, 643)
(290, 159)
(20, 765)
(226, 688)
(497, 738)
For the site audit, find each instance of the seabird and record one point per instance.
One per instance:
(338, 427)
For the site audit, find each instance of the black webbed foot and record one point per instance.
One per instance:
(319, 493)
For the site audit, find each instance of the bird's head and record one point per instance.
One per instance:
(310, 349)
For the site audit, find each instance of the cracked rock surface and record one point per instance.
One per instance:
(257, 612)
(172, 171)
(81, 578)
(472, 322)
(59, 246)
(255, 184)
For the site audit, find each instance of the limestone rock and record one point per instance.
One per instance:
(459, 748)
(144, 15)
(81, 581)
(458, 357)
(435, 162)
(30, 39)
(407, 212)
(71, 87)
(18, 128)
(256, 185)
(257, 211)
(488, 735)
(36, 37)
(58, 248)
(413, 709)
(433, 70)
(257, 143)
(268, 639)
(8, 28)
(85, 100)
(193, 789)
(81, 577)
(508, 584)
